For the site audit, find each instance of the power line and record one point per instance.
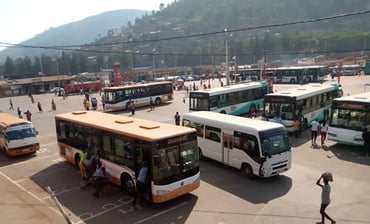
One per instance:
(78, 47)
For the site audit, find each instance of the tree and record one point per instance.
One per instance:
(8, 66)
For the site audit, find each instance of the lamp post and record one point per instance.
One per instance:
(153, 67)
(57, 66)
(227, 60)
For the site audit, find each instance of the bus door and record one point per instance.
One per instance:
(227, 142)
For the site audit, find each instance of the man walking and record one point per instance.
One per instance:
(177, 118)
(140, 185)
(314, 130)
(325, 196)
(366, 137)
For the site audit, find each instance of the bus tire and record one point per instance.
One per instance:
(247, 170)
(292, 81)
(158, 101)
(222, 112)
(127, 184)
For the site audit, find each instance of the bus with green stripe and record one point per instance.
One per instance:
(307, 103)
(239, 99)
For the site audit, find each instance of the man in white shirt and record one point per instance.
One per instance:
(314, 129)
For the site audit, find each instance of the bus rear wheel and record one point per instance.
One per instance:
(127, 184)
(292, 81)
(247, 171)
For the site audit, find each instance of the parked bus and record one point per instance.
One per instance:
(256, 147)
(301, 74)
(348, 118)
(367, 67)
(249, 74)
(17, 136)
(233, 99)
(292, 75)
(77, 87)
(351, 69)
(124, 143)
(316, 73)
(119, 97)
(307, 103)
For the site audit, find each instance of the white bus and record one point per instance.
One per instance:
(307, 103)
(301, 74)
(257, 148)
(233, 99)
(348, 118)
(249, 74)
(119, 97)
(17, 136)
(351, 69)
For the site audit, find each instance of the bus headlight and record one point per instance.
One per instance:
(266, 170)
(161, 192)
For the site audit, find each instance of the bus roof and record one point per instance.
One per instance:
(304, 91)
(128, 126)
(137, 85)
(229, 88)
(361, 97)
(8, 120)
(231, 122)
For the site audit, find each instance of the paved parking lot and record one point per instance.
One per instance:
(224, 196)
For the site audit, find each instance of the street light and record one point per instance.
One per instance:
(57, 64)
(153, 68)
(227, 60)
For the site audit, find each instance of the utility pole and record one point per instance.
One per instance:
(227, 60)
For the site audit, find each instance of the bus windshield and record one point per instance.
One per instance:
(21, 133)
(171, 163)
(285, 111)
(349, 119)
(274, 143)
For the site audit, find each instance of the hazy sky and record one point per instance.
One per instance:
(23, 19)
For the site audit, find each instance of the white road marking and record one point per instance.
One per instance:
(30, 193)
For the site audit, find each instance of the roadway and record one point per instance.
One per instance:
(223, 197)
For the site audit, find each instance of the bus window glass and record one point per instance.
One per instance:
(213, 133)
(189, 156)
(107, 152)
(274, 143)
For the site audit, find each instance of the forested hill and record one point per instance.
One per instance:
(76, 33)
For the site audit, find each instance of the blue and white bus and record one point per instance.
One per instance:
(348, 118)
(232, 99)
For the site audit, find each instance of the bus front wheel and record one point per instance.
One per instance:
(247, 170)
(127, 184)
(158, 101)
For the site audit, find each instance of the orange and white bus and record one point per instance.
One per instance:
(124, 143)
(119, 97)
(17, 136)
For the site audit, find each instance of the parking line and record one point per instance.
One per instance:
(30, 193)
(160, 213)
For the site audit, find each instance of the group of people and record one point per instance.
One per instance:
(95, 174)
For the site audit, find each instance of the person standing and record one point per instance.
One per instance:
(366, 137)
(296, 127)
(314, 130)
(11, 104)
(132, 107)
(151, 104)
(19, 112)
(177, 118)
(323, 132)
(28, 115)
(83, 156)
(39, 106)
(325, 196)
(140, 184)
